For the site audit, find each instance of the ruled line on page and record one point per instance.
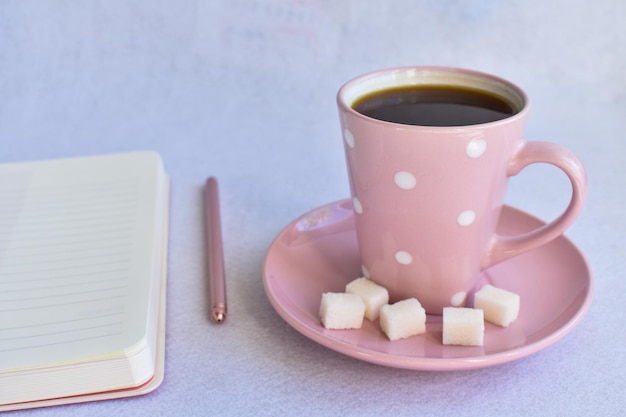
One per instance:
(65, 253)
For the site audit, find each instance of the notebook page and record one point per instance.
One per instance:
(78, 239)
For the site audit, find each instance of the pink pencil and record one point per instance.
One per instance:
(215, 252)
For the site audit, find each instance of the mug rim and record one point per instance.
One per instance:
(393, 77)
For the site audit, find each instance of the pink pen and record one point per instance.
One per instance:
(215, 253)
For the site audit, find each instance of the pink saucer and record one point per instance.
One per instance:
(318, 253)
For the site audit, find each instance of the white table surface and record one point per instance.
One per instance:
(245, 90)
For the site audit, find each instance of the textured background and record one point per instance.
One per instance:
(245, 90)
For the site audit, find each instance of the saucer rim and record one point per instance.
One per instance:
(424, 363)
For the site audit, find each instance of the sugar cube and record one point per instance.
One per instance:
(342, 311)
(403, 319)
(463, 326)
(499, 306)
(374, 296)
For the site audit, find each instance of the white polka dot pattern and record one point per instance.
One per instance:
(476, 148)
(466, 218)
(348, 137)
(404, 258)
(365, 272)
(405, 180)
(358, 208)
(458, 299)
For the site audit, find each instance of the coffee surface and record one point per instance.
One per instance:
(434, 106)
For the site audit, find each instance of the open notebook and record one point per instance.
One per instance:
(83, 245)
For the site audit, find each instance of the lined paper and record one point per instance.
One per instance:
(71, 249)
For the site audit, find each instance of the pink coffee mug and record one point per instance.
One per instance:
(427, 199)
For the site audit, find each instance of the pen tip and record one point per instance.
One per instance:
(219, 317)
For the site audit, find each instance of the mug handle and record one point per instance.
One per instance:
(504, 247)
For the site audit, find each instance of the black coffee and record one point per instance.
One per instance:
(434, 106)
